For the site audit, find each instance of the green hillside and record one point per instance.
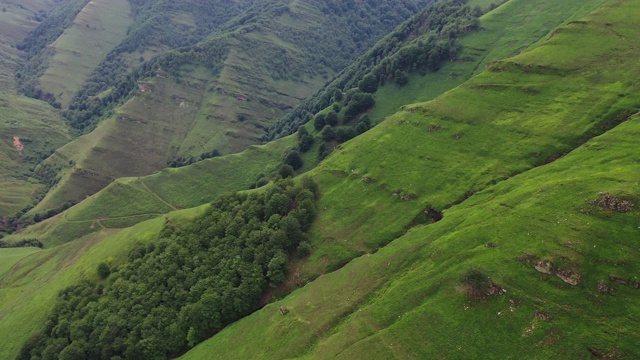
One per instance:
(39, 129)
(407, 300)
(212, 96)
(128, 201)
(208, 180)
(498, 219)
(558, 238)
(500, 34)
(100, 26)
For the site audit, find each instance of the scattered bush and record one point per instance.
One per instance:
(294, 159)
(345, 134)
(304, 249)
(323, 152)
(332, 118)
(103, 270)
(328, 133)
(21, 243)
(476, 282)
(305, 143)
(285, 171)
(368, 84)
(319, 121)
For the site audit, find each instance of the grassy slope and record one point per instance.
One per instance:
(128, 201)
(482, 47)
(20, 116)
(97, 29)
(206, 121)
(227, 111)
(498, 124)
(10, 256)
(405, 301)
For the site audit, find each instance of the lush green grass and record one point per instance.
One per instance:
(127, 201)
(406, 300)
(10, 256)
(543, 212)
(500, 123)
(97, 29)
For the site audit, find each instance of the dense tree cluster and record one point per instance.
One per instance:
(182, 161)
(181, 288)
(21, 243)
(338, 124)
(420, 44)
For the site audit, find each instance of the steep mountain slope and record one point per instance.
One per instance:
(84, 47)
(37, 127)
(503, 32)
(559, 238)
(128, 201)
(96, 30)
(409, 47)
(407, 301)
(216, 95)
(488, 140)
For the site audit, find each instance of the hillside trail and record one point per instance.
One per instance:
(156, 195)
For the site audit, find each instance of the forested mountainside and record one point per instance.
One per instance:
(214, 97)
(491, 212)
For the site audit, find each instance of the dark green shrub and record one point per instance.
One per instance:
(103, 270)
(286, 171)
(328, 133)
(319, 121)
(305, 143)
(294, 159)
(476, 282)
(332, 118)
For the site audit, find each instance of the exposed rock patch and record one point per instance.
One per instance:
(608, 201)
(542, 316)
(544, 266)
